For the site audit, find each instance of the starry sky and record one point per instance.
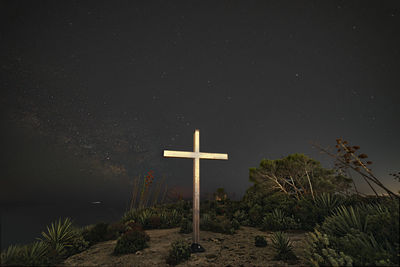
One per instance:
(93, 91)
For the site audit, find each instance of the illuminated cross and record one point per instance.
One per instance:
(196, 155)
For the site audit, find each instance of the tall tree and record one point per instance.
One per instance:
(298, 175)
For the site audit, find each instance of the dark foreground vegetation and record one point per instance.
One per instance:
(290, 194)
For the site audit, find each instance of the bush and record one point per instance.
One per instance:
(368, 233)
(131, 225)
(255, 215)
(26, 255)
(240, 216)
(179, 252)
(235, 224)
(318, 252)
(283, 247)
(115, 230)
(186, 226)
(260, 241)
(307, 213)
(96, 233)
(154, 222)
(218, 224)
(77, 244)
(277, 220)
(131, 241)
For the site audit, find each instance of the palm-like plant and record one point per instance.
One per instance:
(10, 255)
(343, 220)
(283, 246)
(60, 233)
(328, 202)
(34, 254)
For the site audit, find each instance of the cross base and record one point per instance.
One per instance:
(197, 248)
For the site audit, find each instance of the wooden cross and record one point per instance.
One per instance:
(196, 155)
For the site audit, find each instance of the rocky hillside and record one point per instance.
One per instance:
(221, 250)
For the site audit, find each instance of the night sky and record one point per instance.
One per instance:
(92, 92)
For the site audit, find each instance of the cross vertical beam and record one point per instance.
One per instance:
(196, 187)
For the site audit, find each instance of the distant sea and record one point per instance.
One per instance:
(22, 224)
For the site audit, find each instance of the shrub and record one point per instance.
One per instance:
(283, 247)
(319, 252)
(218, 224)
(235, 224)
(186, 226)
(260, 241)
(308, 214)
(32, 254)
(277, 220)
(11, 256)
(78, 244)
(131, 225)
(255, 215)
(368, 233)
(240, 216)
(179, 252)
(170, 218)
(154, 222)
(115, 230)
(96, 233)
(131, 241)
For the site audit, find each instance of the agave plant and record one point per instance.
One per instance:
(279, 215)
(327, 201)
(34, 254)
(283, 246)
(144, 216)
(175, 218)
(343, 220)
(11, 255)
(60, 233)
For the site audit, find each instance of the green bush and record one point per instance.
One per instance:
(283, 247)
(180, 251)
(96, 233)
(154, 222)
(115, 230)
(260, 241)
(186, 226)
(131, 241)
(255, 215)
(368, 233)
(27, 255)
(235, 224)
(277, 220)
(307, 213)
(319, 252)
(131, 225)
(218, 224)
(240, 216)
(77, 245)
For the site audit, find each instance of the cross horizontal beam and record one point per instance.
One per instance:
(194, 155)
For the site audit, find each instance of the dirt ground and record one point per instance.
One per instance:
(221, 250)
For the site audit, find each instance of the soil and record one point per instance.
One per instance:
(221, 250)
